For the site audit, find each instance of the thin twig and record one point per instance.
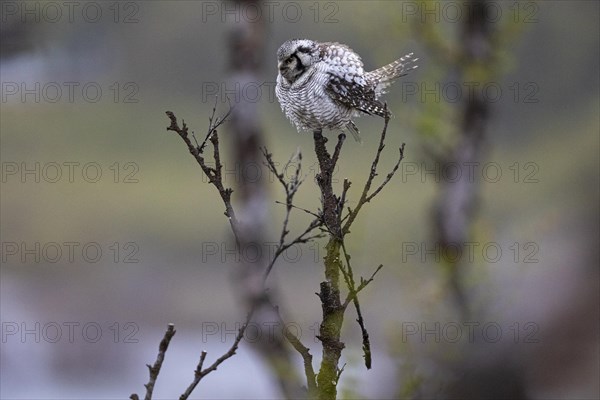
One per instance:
(363, 284)
(342, 202)
(201, 373)
(290, 187)
(339, 374)
(154, 370)
(353, 296)
(388, 176)
(301, 209)
(365, 196)
(197, 377)
(302, 238)
(213, 123)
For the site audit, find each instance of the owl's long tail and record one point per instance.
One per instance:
(353, 129)
(387, 74)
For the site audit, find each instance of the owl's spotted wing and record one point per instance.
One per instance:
(353, 95)
(347, 84)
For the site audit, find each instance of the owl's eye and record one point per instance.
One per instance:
(289, 60)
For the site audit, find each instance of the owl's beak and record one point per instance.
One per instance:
(281, 66)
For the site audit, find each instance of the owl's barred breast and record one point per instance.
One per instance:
(308, 106)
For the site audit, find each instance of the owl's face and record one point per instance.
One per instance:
(295, 57)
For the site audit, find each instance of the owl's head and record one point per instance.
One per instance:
(295, 57)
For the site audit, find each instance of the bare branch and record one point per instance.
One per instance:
(353, 296)
(201, 373)
(216, 179)
(290, 188)
(213, 174)
(302, 238)
(365, 196)
(214, 123)
(271, 165)
(342, 202)
(197, 377)
(154, 370)
(388, 176)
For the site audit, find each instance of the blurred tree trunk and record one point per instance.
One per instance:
(246, 55)
(476, 62)
(455, 207)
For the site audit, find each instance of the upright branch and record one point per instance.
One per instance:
(338, 227)
(324, 178)
(333, 313)
(154, 370)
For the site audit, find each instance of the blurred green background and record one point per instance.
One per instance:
(154, 216)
